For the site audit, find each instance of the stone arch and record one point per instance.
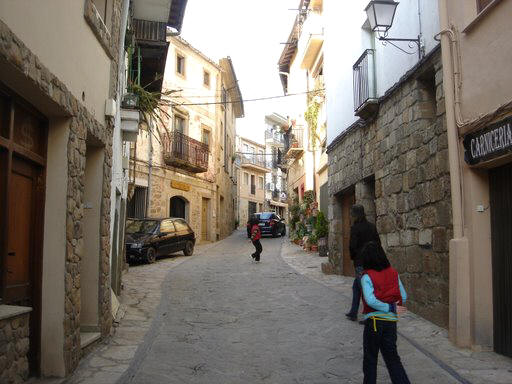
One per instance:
(179, 206)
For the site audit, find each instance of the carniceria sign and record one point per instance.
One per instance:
(489, 143)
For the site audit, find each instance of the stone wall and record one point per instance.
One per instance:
(398, 166)
(83, 126)
(14, 345)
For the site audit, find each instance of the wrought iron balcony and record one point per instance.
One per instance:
(184, 152)
(294, 143)
(275, 137)
(365, 94)
(254, 161)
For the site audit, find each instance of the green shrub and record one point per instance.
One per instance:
(321, 226)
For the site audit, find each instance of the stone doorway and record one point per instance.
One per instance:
(23, 150)
(347, 200)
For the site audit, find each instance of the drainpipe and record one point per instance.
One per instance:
(459, 278)
(150, 163)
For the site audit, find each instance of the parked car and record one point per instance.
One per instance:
(147, 239)
(269, 223)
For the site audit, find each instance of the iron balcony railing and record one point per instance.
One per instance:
(182, 151)
(294, 139)
(149, 30)
(276, 137)
(364, 79)
(258, 160)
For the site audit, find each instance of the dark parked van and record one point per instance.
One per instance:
(146, 239)
(269, 223)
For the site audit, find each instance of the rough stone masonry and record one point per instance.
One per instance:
(397, 164)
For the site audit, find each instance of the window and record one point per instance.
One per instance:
(179, 124)
(246, 178)
(181, 226)
(261, 182)
(102, 6)
(180, 64)
(206, 79)
(481, 4)
(205, 136)
(167, 227)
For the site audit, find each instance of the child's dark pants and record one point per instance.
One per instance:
(384, 339)
(259, 249)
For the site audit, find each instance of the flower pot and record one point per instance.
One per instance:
(314, 248)
(296, 241)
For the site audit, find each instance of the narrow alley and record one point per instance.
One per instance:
(224, 319)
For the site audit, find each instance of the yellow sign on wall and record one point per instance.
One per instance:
(179, 185)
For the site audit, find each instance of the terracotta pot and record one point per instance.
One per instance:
(296, 241)
(314, 248)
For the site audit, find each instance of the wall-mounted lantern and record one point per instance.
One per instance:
(381, 14)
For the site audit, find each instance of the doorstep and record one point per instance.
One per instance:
(87, 338)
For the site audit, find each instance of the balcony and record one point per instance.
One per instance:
(366, 104)
(183, 152)
(294, 143)
(274, 138)
(256, 162)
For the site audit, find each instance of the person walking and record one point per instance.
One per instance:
(255, 238)
(361, 232)
(383, 300)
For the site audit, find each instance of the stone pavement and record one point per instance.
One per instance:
(216, 317)
(465, 365)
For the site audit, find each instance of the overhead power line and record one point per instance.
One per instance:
(247, 100)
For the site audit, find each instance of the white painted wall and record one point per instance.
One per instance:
(345, 41)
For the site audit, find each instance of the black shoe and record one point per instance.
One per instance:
(351, 317)
(362, 322)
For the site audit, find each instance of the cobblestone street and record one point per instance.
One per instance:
(218, 318)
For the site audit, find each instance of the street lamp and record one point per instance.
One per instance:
(381, 14)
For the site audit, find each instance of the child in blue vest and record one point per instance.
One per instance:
(383, 299)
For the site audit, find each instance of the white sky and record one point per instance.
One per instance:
(250, 32)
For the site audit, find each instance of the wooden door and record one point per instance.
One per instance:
(20, 226)
(204, 220)
(348, 199)
(500, 182)
(23, 264)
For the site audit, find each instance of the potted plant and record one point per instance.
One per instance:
(313, 240)
(321, 231)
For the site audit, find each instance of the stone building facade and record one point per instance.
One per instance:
(396, 166)
(183, 164)
(251, 178)
(59, 145)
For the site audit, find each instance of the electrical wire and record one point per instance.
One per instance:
(247, 100)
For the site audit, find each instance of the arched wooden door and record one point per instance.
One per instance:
(178, 205)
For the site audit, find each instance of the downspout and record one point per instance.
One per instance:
(150, 163)
(459, 275)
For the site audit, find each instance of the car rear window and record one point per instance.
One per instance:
(265, 216)
(141, 226)
(181, 225)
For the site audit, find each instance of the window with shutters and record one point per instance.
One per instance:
(180, 64)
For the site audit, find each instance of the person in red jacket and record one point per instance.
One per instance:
(383, 299)
(255, 238)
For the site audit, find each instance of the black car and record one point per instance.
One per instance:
(146, 239)
(269, 223)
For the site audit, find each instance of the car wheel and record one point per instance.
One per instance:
(151, 256)
(189, 248)
(274, 233)
(248, 235)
